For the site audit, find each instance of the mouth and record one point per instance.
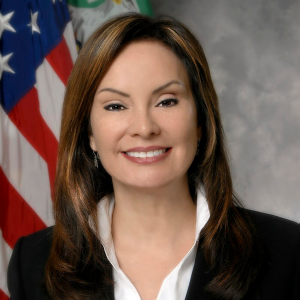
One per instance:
(148, 153)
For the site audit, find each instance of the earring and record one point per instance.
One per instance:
(95, 159)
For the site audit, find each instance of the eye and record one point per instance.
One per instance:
(168, 102)
(114, 107)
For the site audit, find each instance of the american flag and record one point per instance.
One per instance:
(37, 51)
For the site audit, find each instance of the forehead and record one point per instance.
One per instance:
(147, 61)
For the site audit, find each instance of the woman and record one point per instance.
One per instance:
(144, 204)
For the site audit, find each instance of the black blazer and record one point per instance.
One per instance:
(279, 277)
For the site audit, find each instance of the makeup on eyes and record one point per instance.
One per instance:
(163, 103)
(168, 100)
(114, 107)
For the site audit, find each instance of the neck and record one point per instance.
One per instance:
(153, 215)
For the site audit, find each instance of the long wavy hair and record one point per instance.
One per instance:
(77, 267)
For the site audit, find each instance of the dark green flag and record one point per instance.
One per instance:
(88, 15)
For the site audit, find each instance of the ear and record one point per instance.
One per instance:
(199, 132)
(92, 143)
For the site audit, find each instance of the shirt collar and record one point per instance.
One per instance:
(106, 207)
(203, 213)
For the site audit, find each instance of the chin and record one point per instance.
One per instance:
(149, 185)
(150, 180)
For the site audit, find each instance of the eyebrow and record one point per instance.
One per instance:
(113, 91)
(154, 92)
(166, 85)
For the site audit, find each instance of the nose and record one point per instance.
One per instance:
(143, 124)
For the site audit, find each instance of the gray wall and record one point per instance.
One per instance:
(253, 50)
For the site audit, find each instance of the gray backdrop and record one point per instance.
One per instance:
(253, 50)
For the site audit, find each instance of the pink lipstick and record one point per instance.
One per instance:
(147, 155)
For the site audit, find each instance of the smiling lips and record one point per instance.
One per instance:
(146, 155)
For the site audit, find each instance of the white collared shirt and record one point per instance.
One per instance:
(175, 285)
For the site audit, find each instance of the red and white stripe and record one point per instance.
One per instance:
(28, 155)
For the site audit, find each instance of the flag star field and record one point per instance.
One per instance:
(37, 52)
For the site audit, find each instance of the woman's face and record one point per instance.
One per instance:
(144, 119)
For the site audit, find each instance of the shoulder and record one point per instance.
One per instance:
(261, 217)
(42, 238)
(35, 247)
(27, 265)
(280, 237)
(280, 269)
(275, 229)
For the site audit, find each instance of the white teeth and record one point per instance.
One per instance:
(156, 152)
(146, 154)
(150, 154)
(142, 154)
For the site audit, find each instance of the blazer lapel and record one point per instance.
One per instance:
(202, 275)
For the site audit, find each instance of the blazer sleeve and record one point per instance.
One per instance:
(14, 277)
(296, 291)
(26, 269)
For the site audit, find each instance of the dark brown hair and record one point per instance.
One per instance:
(77, 267)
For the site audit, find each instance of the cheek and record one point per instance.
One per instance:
(184, 126)
(106, 134)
